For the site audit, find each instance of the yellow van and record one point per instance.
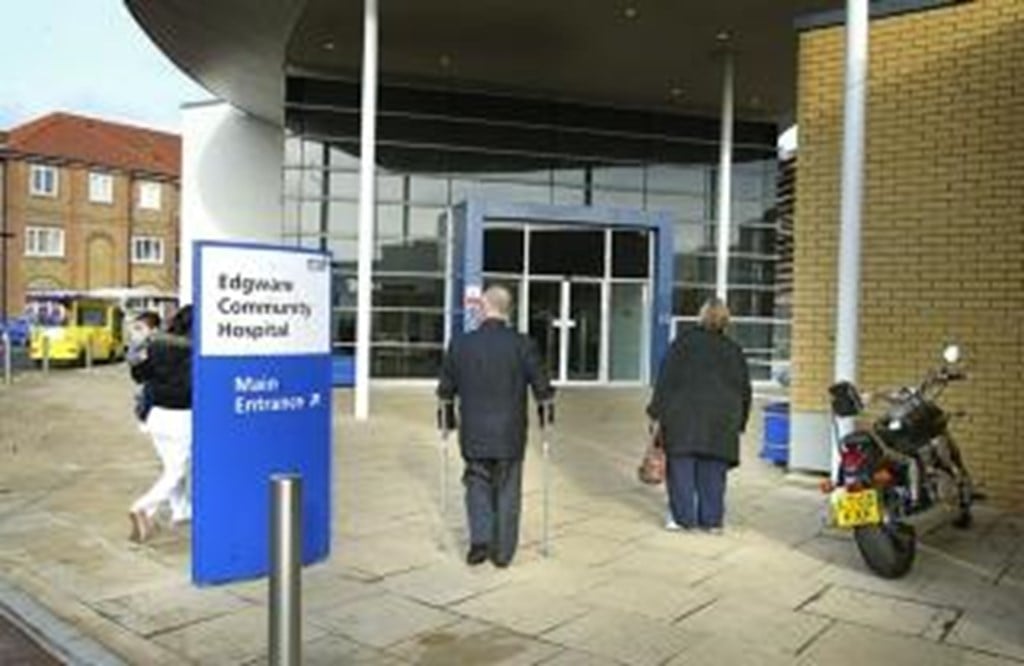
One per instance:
(72, 321)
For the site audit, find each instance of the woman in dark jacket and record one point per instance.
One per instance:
(700, 405)
(166, 370)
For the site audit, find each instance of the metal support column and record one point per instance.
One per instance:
(848, 297)
(725, 178)
(367, 206)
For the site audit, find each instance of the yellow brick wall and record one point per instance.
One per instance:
(943, 242)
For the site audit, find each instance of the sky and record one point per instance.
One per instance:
(87, 57)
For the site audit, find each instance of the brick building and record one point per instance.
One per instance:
(943, 236)
(87, 204)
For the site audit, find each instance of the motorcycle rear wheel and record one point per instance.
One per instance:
(888, 550)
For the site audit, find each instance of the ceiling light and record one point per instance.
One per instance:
(676, 92)
(723, 35)
(445, 61)
(328, 45)
(631, 12)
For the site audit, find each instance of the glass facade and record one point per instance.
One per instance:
(437, 148)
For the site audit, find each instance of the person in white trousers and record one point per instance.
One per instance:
(166, 371)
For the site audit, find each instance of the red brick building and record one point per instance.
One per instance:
(85, 204)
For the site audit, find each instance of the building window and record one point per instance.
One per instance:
(44, 242)
(147, 250)
(149, 196)
(43, 181)
(101, 188)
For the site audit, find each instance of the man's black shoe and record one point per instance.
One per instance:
(501, 564)
(477, 554)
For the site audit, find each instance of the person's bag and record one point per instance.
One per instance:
(652, 467)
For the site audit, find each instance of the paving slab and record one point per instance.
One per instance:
(893, 614)
(228, 639)
(331, 650)
(445, 583)
(166, 608)
(757, 622)
(997, 631)
(852, 645)
(529, 608)
(626, 637)
(569, 657)
(718, 651)
(472, 642)
(666, 600)
(382, 620)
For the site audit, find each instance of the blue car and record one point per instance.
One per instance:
(19, 328)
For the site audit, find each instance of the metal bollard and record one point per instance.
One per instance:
(285, 644)
(88, 353)
(5, 340)
(46, 353)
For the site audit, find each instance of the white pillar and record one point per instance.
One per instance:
(231, 185)
(852, 192)
(367, 207)
(725, 178)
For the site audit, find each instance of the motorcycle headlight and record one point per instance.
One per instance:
(895, 425)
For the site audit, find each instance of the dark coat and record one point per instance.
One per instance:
(702, 398)
(167, 371)
(489, 370)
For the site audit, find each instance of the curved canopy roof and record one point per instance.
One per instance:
(633, 53)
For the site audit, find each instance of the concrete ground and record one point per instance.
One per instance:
(617, 588)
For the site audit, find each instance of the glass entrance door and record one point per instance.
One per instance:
(545, 316)
(584, 331)
(583, 296)
(565, 321)
(627, 337)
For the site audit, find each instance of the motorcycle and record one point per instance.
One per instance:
(899, 468)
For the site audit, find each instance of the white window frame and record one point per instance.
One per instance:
(38, 242)
(101, 187)
(34, 189)
(150, 195)
(154, 253)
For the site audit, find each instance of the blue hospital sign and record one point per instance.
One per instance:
(261, 402)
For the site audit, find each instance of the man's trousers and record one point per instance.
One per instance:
(493, 499)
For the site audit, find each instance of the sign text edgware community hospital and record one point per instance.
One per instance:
(245, 296)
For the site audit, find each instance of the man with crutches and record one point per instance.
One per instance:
(489, 370)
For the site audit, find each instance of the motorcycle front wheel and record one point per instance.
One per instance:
(888, 550)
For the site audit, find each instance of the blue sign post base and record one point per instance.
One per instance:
(256, 401)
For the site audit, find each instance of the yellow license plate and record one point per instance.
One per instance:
(857, 508)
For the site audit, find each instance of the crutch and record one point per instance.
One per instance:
(445, 424)
(546, 415)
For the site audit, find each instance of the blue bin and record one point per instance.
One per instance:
(343, 370)
(775, 442)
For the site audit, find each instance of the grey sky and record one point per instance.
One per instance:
(88, 57)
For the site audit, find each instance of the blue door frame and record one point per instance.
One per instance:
(470, 216)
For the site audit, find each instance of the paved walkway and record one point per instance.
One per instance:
(617, 589)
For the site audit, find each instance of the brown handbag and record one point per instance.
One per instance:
(652, 467)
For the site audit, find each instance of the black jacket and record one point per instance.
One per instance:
(702, 398)
(489, 370)
(167, 371)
